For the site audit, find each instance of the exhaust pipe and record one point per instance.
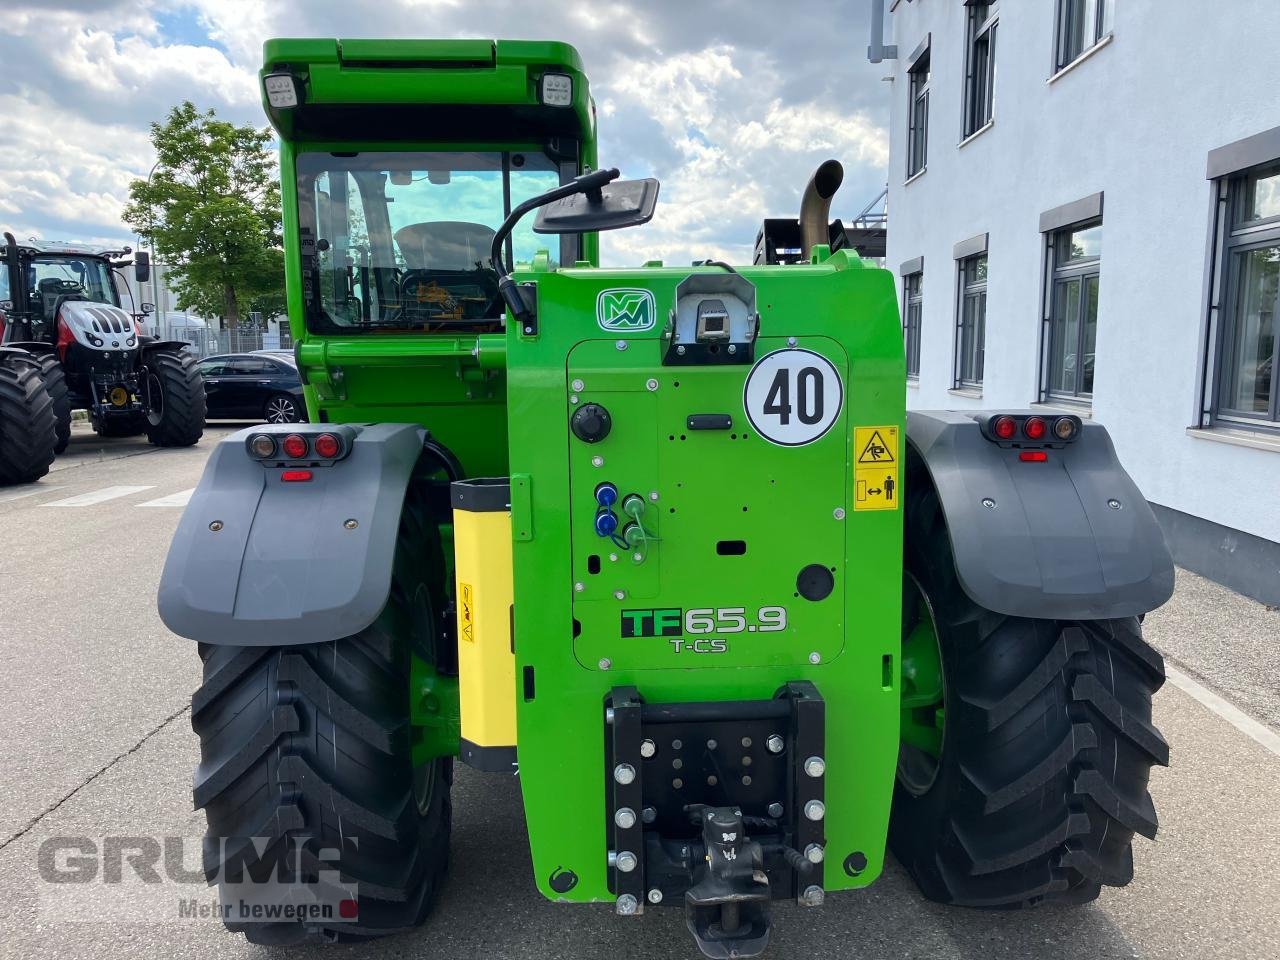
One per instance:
(815, 206)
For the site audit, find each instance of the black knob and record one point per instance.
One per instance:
(591, 423)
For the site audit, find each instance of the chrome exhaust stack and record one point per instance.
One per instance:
(815, 206)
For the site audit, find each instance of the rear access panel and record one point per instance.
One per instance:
(697, 541)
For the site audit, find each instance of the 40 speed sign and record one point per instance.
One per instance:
(793, 396)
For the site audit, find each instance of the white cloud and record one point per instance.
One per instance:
(728, 103)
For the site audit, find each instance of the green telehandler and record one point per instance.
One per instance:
(663, 542)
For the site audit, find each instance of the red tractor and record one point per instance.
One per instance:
(66, 343)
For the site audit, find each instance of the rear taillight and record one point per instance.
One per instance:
(327, 446)
(1004, 427)
(294, 446)
(295, 476)
(1030, 430)
(1033, 456)
(262, 446)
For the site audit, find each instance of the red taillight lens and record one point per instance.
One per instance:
(1004, 427)
(1035, 428)
(328, 446)
(1033, 456)
(294, 446)
(295, 476)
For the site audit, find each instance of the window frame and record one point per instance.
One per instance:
(1233, 239)
(918, 111)
(1102, 29)
(977, 291)
(1059, 271)
(912, 319)
(979, 82)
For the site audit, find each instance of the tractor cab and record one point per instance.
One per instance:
(44, 276)
(400, 160)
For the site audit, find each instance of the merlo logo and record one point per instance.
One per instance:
(625, 311)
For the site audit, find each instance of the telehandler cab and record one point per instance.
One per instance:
(663, 541)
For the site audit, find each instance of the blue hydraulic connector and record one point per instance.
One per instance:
(606, 522)
(606, 494)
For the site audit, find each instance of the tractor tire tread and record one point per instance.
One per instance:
(1048, 746)
(28, 427)
(182, 417)
(55, 381)
(309, 747)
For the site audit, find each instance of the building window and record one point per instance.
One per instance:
(980, 65)
(1248, 265)
(1081, 24)
(913, 300)
(972, 321)
(1076, 253)
(918, 116)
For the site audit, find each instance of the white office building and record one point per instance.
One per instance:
(1084, 209)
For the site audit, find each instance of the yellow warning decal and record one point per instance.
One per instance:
(875, 474)
(467, 612)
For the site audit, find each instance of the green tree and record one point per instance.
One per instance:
(211, 211)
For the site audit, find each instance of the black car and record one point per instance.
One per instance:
(253, 386)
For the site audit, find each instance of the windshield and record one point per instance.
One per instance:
(85, 277)
(400, 241)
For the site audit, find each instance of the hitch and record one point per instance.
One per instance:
(727, 909)
(719, 805)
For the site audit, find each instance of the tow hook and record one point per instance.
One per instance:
(727, 908)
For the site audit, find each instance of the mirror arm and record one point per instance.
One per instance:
(590, 183)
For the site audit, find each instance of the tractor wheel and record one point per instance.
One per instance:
(310, 748)
(1026, 744)
(28, 431)
(173, 394)
(55, 381)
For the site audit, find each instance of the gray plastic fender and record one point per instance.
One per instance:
(261, 562)
(1068, 539)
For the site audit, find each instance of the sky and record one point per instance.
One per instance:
(730, 103)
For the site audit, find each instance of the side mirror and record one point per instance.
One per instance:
(621, 203)
(142, 266)
(148, 308)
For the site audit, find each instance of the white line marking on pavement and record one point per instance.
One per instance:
(1227, 711)
(98, 496)
(37, 488)
(178, 499)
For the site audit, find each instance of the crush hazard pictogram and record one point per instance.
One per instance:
(877, 444)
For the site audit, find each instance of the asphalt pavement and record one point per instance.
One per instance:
(94, 709)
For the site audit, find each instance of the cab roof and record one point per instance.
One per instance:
(460, 91)
(41, 248)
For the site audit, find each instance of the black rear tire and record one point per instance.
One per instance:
(28, 429)
(55, 381)
(173, 393)
(1047, 748)
(310, 747)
